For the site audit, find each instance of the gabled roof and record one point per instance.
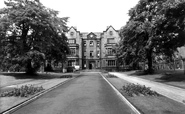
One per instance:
(72, 28)
(91, 34)
(109, 28)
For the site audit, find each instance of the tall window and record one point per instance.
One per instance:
(71, 62)
(84, 44)
(98, 53)
(111, 63)
(84, 53)
(73, 51)
(110, 40)
(72, 41)
(109, 51)
(91, 43)
(91, 53)
(98, 43)
(71, 33)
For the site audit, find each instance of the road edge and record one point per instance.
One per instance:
(122, 97)
(34, 97)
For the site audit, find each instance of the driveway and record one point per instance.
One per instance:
(87, 94)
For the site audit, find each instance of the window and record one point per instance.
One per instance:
(84, 53)
(71, 33)
(85, 44)
(98, 43)
(110, 40)
(72, 51)
(91, 43)
(110, 33)
(98, 53)
(109, 51)
(71, 63)
(111, 63)
(72, 41)
(91, 53)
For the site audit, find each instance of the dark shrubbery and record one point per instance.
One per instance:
(70, 69)
(23, 91)
(66, 76)
(138, 90)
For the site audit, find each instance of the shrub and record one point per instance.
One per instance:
(111, 76)
(66, 76)
(133, 89)
(70, 69)
(23, 91)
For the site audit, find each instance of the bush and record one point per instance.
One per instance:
(111, 76)
(23, 91)
(70, 69)
(66, 76)
(133, 89)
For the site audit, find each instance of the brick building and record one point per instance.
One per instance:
(92, 50)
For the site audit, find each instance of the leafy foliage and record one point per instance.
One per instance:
(133, 89)
(30, 29)
(23, 91)
(155, 28)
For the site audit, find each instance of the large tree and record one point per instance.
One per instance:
(33, 33)
(155, 28)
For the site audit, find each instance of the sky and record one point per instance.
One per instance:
(91, 15)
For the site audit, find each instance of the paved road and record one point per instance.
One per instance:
(87, 94)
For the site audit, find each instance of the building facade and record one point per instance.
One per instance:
(92, 50)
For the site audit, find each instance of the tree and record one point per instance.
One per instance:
(33, 33)
(154, 28)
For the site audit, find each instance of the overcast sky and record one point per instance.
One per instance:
(92, 15)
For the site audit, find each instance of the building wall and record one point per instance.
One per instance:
(95, 61)
(110, 33)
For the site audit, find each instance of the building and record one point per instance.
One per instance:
(92, 50)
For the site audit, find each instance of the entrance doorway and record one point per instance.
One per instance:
(91, 64)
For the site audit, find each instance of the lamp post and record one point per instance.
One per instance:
(182, 55)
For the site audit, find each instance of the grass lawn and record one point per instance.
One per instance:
(7, 79)
(170, 77)
(150, 104)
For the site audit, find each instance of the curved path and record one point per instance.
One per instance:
(87, 94)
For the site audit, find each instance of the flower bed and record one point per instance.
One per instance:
(23, 91)
(138, 90)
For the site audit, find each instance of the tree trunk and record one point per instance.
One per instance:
(184, 64)
(29, 69)
(149, 58)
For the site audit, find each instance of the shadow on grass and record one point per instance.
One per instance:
(163, 75)
(174, 77)
(35, 76)
(139, 73)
